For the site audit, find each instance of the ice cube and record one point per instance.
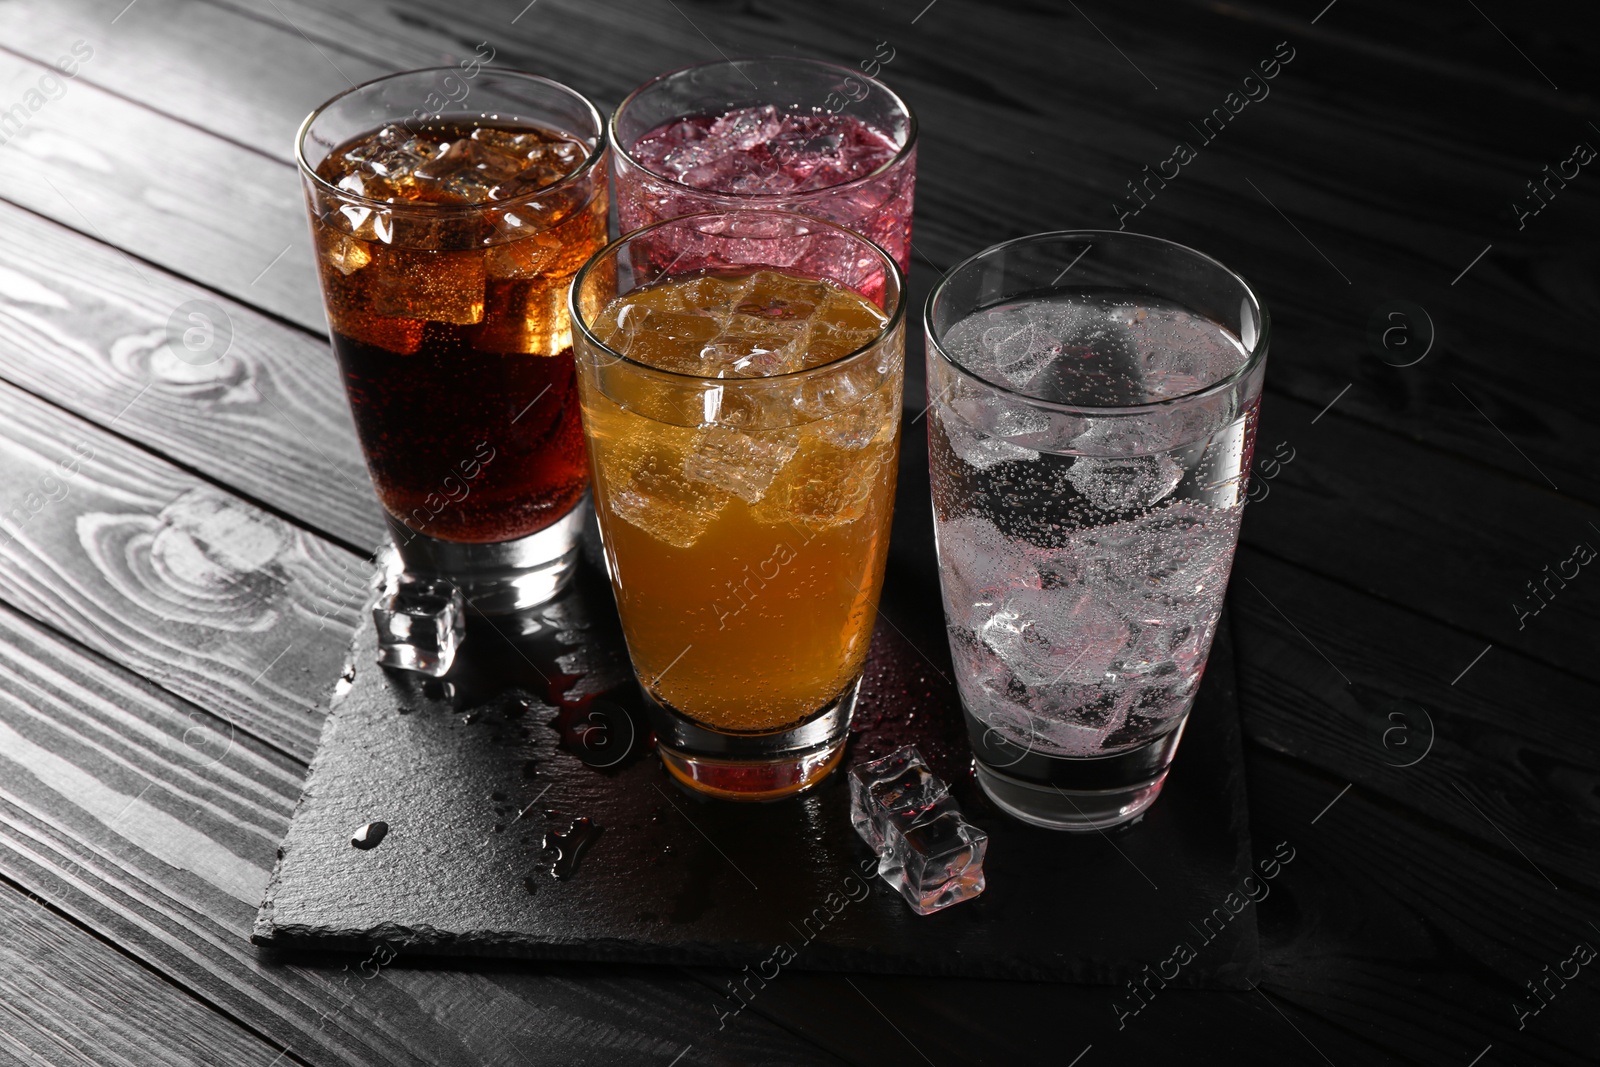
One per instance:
(1121, 483)
(745, 355)
(384, 162)
(1181, 352)
(1047, 636)
(858, 425)
(935, 863)
(823, 487)
(978, 566)
(743, 464)
(1021, 352)
(344, 253)
(668, 340)
(525, 316)
(431, 285)
(420, 623)
(530, 255)
(979, 449)
(742, 129)
(647, 487)
(926, 850)
(897, 790)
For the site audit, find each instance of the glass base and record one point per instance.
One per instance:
(1056, 808)
(751, 779)
(502, 576)
(753, 766)
(1077, 794)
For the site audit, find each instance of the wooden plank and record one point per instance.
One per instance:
(201, 207)
(262, 412)
(215, 599)
(154, 825)
(273, 79)
(1451, 40)
(1504, 758)
(1436, 533)
(66, 998)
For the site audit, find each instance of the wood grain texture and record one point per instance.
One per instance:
(261, 410)
(273, 78)
(161, 191)
(1401, 169)
(214, 599)
(1431, 531)
(66, 998)
(1503, 737)
(153, 824)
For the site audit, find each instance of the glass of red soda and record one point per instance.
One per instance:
(776, 133)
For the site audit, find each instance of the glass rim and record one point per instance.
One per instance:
(893, 322)
(1255, 354)
(422, 208)
(900, 155)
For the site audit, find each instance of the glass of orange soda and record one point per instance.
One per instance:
(740, 377)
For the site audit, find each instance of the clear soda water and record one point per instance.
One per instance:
(1084, 554)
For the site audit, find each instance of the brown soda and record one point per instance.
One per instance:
(448, 316)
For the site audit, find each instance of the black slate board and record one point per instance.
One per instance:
(469, 782)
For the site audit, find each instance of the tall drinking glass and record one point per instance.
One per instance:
(773, 133)
(743, 416)
(1094, 400)
(450, 209)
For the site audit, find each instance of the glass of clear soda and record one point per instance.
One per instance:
(1093, 406)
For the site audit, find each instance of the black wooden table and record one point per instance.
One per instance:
(181, 546)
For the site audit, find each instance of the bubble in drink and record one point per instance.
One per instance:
(1083, 572)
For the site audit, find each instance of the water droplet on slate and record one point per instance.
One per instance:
(517, 708)
(497, 796)
(568, 845)
(370, 835)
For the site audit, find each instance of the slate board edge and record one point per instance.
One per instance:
(265, 931)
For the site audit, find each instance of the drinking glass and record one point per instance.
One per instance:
(1093, 411)
(742, 404)
(772, 133)
(450, 209)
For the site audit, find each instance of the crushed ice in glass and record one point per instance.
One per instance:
(761, 150)
(420, 623)
(926, 850)
(1098, 348)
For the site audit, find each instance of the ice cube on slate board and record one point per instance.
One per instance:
(420, 624)
(926, 850)
(936, 863)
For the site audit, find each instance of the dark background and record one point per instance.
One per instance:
(181, 545)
